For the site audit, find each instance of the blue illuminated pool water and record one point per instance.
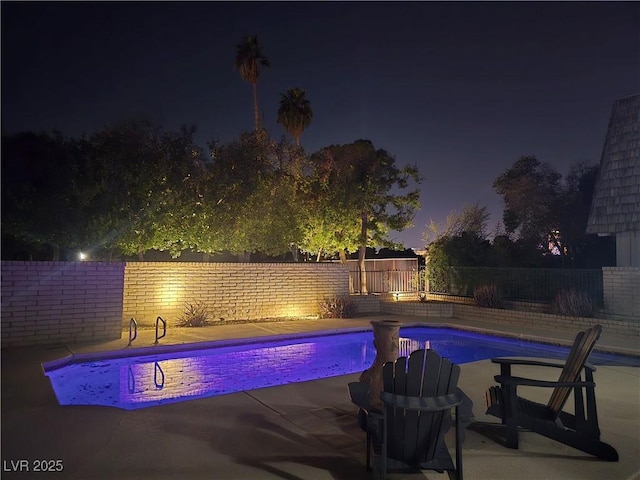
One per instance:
(145, 381)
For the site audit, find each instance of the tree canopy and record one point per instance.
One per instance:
(547, 213)
(40, 202)
(530, 191)
(259, 190)
(363, 181)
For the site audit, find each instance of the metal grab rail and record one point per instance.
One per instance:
(164, 329)
(133, 327)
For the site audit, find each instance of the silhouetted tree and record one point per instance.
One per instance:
(472, 219)
(40, 205)
(542, 209)
(530, 191)
(249, 59)
(295, 113)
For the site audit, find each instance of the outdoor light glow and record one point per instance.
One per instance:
(170, 290)
(291, 311)
(82, 256)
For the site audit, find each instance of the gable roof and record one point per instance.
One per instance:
(616, 201)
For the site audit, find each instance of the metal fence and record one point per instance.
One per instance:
(385, 275)
(522, 284)
(381, 281)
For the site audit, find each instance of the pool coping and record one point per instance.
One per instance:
(77, 357)
(187, 347)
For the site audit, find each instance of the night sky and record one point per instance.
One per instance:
(460, 89)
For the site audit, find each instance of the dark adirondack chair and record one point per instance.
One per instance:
(408, 435)
(579, 430)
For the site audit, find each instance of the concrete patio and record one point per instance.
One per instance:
(298, 431)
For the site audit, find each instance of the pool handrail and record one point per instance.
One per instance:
(164, 329)
(133, 328)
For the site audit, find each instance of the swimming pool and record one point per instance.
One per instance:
(144, 381)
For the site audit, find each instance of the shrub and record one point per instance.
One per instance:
(194, 315)
(337, 307)
(487, 296)
(573, 304)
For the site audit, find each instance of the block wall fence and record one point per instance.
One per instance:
(465, 311)
(231, 291)
(622, 292)
(45, 303)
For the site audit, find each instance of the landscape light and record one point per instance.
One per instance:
(82, 256)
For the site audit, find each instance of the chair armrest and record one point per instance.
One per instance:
(518, 361)
(538, 363)
(529, 382)
(427, 404)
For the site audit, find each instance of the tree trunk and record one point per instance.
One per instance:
(363, 270)
(319, 254)
(295, 252)
(343, 257)
(362, 252)
(256, 114)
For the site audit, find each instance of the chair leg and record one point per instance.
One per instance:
(511, 433)
(384, 453)
(458, 447)
(509, 397)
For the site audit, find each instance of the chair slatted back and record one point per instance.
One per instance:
(414, 436)
(582, 348)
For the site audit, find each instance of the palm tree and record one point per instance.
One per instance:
(294, 113)
(249, 58)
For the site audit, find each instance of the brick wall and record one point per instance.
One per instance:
(417, 309)
(622, 292)
(542, 320)
(46, 303)
(366, 304)
(229, 290)
(68, 302)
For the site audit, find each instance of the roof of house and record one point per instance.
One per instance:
(616, 200)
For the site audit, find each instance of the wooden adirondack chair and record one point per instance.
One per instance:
(419, 394)
(579, 430)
